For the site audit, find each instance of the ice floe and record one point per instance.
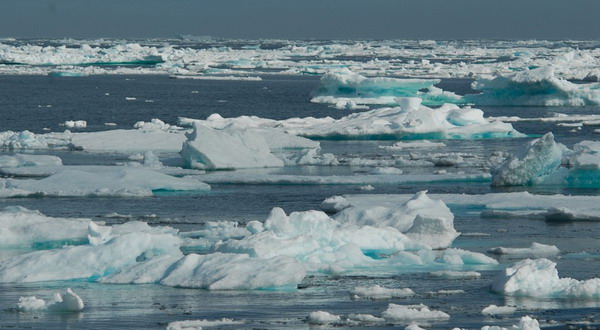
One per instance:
(536, 87)
(198, 324)
(539, 278)
(545, 162)
(498, 310)
(99, 181)
(512, 205)
(535, 250)
(22, 160)
(60, 303)
(379, 292)
(408, 120)
(409, 313)
(346, 89)
(525, 323)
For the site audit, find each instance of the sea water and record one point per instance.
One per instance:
(42, 103)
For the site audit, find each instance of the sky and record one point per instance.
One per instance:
(314, 19)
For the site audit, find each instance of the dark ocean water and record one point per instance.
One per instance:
(36, 103)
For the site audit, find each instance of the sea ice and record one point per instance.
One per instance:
(407, 313)
(536, 87)
(545, 162)
(99, 181)
(378, 292)
(498, 310)
(450, 274)
(208, 148)
(535, 250)
(346, 89)
(61, 303)
(22, 160)
(322, 317)
(198, 324)
(421, 218)
(525, 323)
(75, 124)
(539, 278)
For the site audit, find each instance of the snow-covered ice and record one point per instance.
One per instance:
(539, 278)
(535, 250)
(68, 302)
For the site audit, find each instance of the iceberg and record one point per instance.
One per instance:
(207, 148)
(539, 278)
(536, 87)
(545, 162)
(420, 218)
(60, 303)
(99, 181)
(346, 89)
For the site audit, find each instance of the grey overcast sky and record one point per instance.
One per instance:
(351, 19)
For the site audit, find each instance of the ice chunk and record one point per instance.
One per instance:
(346, 89)
(536, 87)
(22, 140)
(75, 124)
(207, 148)
(531, 165)
(378, 292)
(60, 303)
(21, 160)
(99, 181)
(539, 278)
(25, 228)
(539, 163)
(334, 204)
(322, 317)
(407, 313)
(536, 250)
(498, 310)
(88, 261)
(449, 274)
(526, 323)
(421, 218)
(198, 324)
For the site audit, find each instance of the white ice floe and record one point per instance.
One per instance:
(509, 205)
(421, 218)
(536, 87)
(414, 144)
(26, 228)
(346, 89)
(535, 250)
(198, 324)
(545, 162)
(408, 313)
(207, 148)
(22, 160)
(323, 317)
(525, 323)
(539, 278)
(450, 274)
(75, 124)
(408, 120)
(498, 310)
(379, 292)
(99, 181)
(68, 302)
(334, 204)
